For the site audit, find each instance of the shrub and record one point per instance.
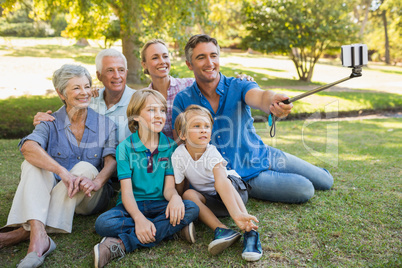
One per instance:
(58, 24)
(24, 29)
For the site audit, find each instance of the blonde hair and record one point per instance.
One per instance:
(137, 103)
(182, 120)
(145, 47)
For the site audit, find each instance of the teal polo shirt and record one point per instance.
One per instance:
(146, 169)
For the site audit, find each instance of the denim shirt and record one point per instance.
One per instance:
(233, 132)
(57, 139)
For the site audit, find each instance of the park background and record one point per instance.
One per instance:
(355, 224)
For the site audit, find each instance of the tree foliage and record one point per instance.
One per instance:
(136, 21)
(20, 21)
(384, 31)
(225, 21)
(303, 29)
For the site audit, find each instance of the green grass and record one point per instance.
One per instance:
(355, 224)
(341, 103)
(17, 114)
(386, 71)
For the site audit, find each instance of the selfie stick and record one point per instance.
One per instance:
(352, 56)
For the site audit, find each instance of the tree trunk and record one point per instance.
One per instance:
(364, 22)
(299, 59)
(130, 50)
(310, 74)
(82, 42)
(126, 11)
(384, 20)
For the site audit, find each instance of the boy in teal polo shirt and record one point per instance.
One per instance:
(149, 209)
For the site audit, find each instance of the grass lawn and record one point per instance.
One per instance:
(355, 224)
(17, 113)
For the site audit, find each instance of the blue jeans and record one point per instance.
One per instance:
(289, 179)
(118, 223)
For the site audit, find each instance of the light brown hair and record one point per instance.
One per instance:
(137, 103)
(182, 120)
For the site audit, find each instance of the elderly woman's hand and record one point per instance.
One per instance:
(68, 179)
(245, 76)
(95, 92)
(85, 185)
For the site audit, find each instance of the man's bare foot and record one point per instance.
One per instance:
(13, 237)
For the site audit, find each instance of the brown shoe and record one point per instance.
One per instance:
(188, 233)
(108, 249)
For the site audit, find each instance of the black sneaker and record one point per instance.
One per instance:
(224, 238)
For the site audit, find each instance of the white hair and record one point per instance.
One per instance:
(110, 52)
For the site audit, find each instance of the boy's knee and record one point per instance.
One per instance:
(189, 194)
(104, 223)
(99, 225)
(192, 209)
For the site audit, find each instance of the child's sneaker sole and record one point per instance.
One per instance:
(188, 233)
(251, 256)
(219, 245)
(252, 250)
(96, 253)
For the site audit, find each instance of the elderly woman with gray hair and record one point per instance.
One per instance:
(68, 163)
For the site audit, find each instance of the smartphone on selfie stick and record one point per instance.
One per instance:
(353, 56)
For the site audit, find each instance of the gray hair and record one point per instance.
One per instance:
(194, 41)
(110, 52)
(65, 73)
